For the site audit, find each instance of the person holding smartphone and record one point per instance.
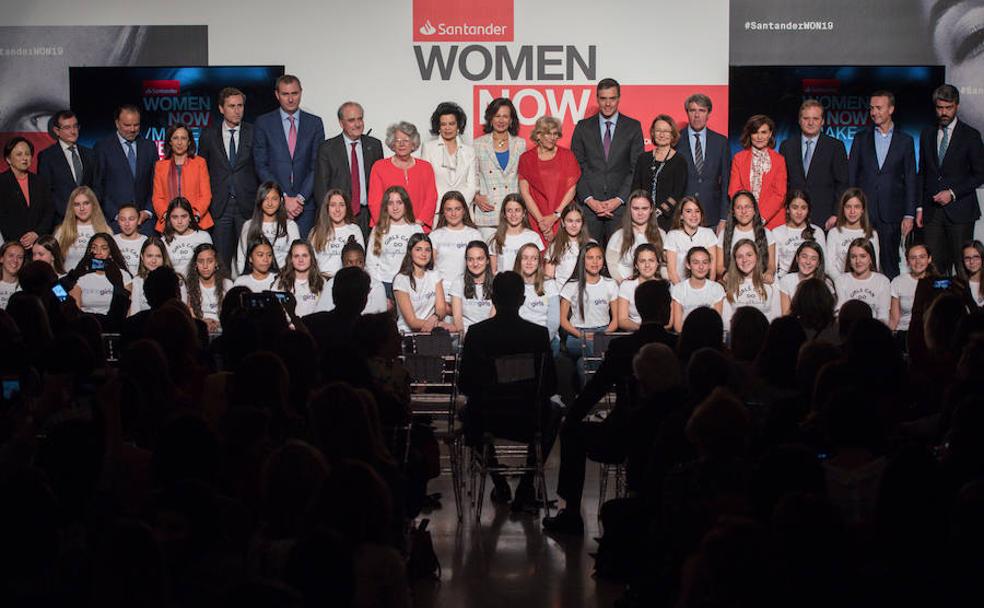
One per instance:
(100, 281)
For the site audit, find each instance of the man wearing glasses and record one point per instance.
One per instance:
(67, 164)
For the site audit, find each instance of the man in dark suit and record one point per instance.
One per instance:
(227, 147)
(653, 302)
(708, 161)
(67, 164)
(816, 164)
(952, 169)
(502, 335)
(346, 159)
(125, 169)
(607, 146)
(883, 164)
(286, 150)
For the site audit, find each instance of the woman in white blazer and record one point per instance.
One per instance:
(452, 160)
(497, 163)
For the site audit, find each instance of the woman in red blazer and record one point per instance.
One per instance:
(760, 169)
(182, 173)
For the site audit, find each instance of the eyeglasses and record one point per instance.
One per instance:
(971, 258)
(74, 127)
(401, 142)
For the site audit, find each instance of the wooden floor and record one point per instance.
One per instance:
(506, 561)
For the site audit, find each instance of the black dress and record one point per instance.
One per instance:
(670, 182)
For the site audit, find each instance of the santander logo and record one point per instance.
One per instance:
(463, 21)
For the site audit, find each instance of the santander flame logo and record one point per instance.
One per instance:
(427, 29)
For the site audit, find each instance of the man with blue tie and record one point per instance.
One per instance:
(66, 165)
(227, 147)
(951, 170)
(708, 159)
(125, 169)
(883, 164)
(286, 151)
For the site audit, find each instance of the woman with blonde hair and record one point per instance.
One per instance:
(83, 219)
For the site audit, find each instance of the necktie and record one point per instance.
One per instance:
(356, 180)
(807, 156)
(607, 141)
(698, 155)
(76, 165)
(131, 158)
(944, 143)
(232, 147)
(292, 136)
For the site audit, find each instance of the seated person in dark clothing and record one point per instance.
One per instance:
(161, 285)
(350, 292)
(653, 303)
(500, 336)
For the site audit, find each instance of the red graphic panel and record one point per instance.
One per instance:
(463, 21)
(571, 103)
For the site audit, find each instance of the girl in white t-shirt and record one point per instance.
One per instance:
(354, 255)
(93, 293)
(153, 255)
(83, 219)
(334, 226)
(685, 234)
(269, 220)
(11, 261)
(970, 271)
(181, 234)
(646, 265)
(795, 231)
(47, 249)
(852, 223)
(808, 263)
(418, 291)
(697, 289)
(302, 277)
(566, 245)
(206, 285)
(903, 287)
(257, 273)
(744, 284)
(587, 304)
(860, 280)
(128, 239)
(471, 293)
(638, 226)
(388, 239)
(542, 303)
(513, 232)
(453, 233)
(745, 222)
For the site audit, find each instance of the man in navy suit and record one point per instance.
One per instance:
(286, 150)
(227, 147)
(883, 164)
(952, 169)
(709, 165)
(816, 163)
(607, 146)
(125, 169)
(66, 165)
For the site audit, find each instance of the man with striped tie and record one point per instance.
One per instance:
(708, 161)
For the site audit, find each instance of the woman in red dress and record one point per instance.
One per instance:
(548, 177)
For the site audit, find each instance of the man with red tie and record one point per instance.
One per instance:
(344, 162)
(286, 148)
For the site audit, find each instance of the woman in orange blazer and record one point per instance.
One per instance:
(760, 169)
(182, 173)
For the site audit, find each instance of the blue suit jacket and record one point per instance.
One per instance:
(711, 187)
(115, 184)
(891, 189)
(272, 156)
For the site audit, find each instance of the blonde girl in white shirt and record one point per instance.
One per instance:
(83, 219)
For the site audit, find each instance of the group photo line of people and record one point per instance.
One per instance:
(267, 268)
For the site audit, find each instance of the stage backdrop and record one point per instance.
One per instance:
(400, 58)
(843, 91)
(35, 59)
(166, 96)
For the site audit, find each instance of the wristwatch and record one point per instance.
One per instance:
(557, 213)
